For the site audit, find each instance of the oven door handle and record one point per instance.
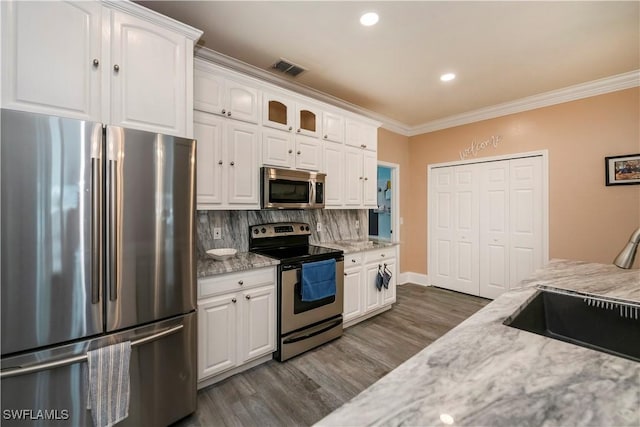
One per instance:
(314, 333)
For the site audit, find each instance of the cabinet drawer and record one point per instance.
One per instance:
(353, 260)
(235, 281)
(380, 254)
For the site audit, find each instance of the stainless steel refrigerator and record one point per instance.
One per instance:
(97, 247)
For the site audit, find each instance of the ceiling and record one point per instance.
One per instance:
(500, 51)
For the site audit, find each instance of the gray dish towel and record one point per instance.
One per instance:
(109, 383)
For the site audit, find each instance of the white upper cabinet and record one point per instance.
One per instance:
(112, 62)
(51, 58)
(332, 127)
(359, 134)
(334, 168)
(218, 94)
(278, 111)
(277, 149)
(308, 153)
(307, 120)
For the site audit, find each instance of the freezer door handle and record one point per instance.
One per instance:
(96, 229)
(15, 371)
(113, 231)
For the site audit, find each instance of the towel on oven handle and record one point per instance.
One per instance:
(318, 280)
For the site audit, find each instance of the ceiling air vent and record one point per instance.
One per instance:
(287, 67)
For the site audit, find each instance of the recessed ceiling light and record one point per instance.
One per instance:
(369, 19)
(447, 77)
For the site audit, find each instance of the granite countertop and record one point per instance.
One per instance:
(208, 266)
(351, 246)
(483, 373)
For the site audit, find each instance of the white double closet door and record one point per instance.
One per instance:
(486, 225)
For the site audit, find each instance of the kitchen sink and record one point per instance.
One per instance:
(609, 326)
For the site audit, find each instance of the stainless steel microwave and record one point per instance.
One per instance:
(291, 189)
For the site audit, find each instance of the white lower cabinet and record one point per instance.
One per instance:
(236, 320)
(361, 295)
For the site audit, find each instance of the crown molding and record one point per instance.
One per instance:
(265, 76)
(153, 17)
(571, 93)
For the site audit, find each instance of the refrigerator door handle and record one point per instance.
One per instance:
(96, 229)
(12, 372)
(113, 231)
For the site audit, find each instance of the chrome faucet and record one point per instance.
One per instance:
(627, 255)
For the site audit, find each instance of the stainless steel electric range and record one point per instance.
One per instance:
(302, 325)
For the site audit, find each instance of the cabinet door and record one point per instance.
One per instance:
(308, 153)
(208, 94)
(208, 132)
(278, 112)
(277, 148)
(242, 163)
(332, 127)
(217, 334)
(307, 120)
(353, 293)
(389, 294)
(353, 179)
(370, 173)
(354, 133)
(241, 102)
(258, 320)
(369, 137)
(334, 168)
(147, 75)
(372, 296)
(48, 52)
(466, 266)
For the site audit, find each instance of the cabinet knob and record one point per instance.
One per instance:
(298, 130)
(344, 274)
(361, 145)
(224, 111)
(233, 300)
(361, 177)
(229, 114)
(299, 152)
(290, 151)
(219, 162)
(96, 62)
(240, 282)
(116, 68)
(353, 260)
(382, 255)
(326, 136)
(364, 145)
(248, 297)
(290, 128)
(366, 179)
(232, 163)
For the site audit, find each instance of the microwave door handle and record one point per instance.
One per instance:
(312, 198)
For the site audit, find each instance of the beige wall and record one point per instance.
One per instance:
(587, 220)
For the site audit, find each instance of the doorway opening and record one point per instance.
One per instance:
(382, 220)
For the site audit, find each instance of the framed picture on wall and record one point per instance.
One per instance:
(622, 170)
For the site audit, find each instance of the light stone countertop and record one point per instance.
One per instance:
(351, 246)
(208, 266)
(483, 373)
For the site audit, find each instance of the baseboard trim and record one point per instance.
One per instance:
(415, 278)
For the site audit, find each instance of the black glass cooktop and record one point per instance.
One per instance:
(299, 253)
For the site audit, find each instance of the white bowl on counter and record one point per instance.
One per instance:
(221, 253)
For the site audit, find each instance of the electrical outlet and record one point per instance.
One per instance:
(217, 233)
(319, 226)
(357, 224)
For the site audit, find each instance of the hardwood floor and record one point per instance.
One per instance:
(304, 389)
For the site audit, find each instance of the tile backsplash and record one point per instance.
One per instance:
(337, 224)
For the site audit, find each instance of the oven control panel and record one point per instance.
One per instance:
(278, 229)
